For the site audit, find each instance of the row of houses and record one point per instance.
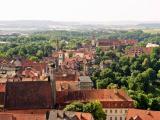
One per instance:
(40, 90)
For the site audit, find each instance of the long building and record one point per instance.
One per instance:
(114, 101)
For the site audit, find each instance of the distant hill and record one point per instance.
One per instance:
(40, 25)
(149, 25)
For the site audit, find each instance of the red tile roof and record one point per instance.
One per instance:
(28, 95)
(137, 114)
(105, 42)
(84, 116)
(2, 88)
(69, 115)
(22, 116)
(66, 85)
(108, 97)
(138, 51)
(4, 116)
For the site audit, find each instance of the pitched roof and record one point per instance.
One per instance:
(66, 85)
(85, 79)
(137, 114)
(105, 42)
(106, 96)
(2, 88)
(22, 116)
(61, 115)
(28, 95)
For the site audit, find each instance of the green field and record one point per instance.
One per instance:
(152, 31)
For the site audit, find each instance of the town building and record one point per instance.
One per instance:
(137, 114)
(85, 82)
(68, 115)
(105, 44)
(115, 102)
(151, 45)
(44, 114)
(136, 51)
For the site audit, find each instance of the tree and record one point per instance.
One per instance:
(107, 72)
(39, 54)
(155, 104)
(75, 106)
(95, 108)
(33, 58)
(142, 101)
(158, 74)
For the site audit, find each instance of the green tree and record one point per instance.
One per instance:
(95, 108)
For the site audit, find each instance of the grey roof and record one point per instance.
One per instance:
(85, 79)
(62, 115)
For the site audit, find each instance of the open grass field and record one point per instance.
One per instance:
(152, 31)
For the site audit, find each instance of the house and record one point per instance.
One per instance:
(105, 64)
(115, 102)
(21, 116)
(18, 93)
(68, 115)
(137, 114)
(105, 44)
(151, 45)
(28, 95)
(11, 67)
(136, 51)
(85, 82)
(44, 114)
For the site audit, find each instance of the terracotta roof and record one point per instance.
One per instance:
(108, 97)
(137, 114)
(65, 76)
(22, 116)
(28, 95)
(4, 116)
(2, 88)
(138, 51)
(66, 85)
(84, 116)
(105, 42)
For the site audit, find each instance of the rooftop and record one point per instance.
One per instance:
(61, 115)
(28, 95)
(137, 114)
(105, 96)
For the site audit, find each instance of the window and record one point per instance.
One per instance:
(110, 111)
(120, 111)
(125, 111)
(115, 118)
(120, 118)
(110, 118)
(106, 111)
(115, 111)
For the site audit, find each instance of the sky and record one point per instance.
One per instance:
(80, 10)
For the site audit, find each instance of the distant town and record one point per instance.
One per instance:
(100, 74)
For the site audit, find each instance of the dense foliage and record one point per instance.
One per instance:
(36, 45)
(139, 75)
(95, 108)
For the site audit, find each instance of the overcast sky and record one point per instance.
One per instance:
(80, 10)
